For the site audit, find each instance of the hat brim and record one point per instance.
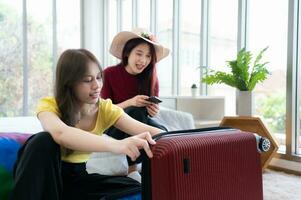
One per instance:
(121, 39)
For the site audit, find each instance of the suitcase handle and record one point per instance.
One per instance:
(189, 131)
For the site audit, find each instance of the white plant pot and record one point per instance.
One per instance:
(194, 92)
(244, 103)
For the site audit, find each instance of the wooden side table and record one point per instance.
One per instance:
(254, 125)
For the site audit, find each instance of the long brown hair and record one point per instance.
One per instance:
(71, 68)
(148, 77)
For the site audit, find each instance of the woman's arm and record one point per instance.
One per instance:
(77, 139)
(134, 127)
(71, 137)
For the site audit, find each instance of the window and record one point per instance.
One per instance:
(126, 15)
(68, 24)
(112, 25)
(40, 41)
(223, 46)
(164, 35)
(27, 69)
(11, 71)
(271, 30)
(143, 13)
(189, 42)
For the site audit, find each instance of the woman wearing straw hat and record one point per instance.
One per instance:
(132, 81)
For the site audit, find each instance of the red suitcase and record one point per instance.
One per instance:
(204, 164)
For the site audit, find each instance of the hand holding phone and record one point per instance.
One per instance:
(154, 99)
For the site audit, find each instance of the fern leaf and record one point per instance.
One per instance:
(220, 78)
(241, 67)
(257, 77)
(259, 56)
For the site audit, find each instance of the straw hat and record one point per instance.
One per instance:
(122, 37)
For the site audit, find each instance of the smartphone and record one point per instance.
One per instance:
(154, 99)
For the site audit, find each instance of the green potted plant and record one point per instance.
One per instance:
(194, 90)
(243, 76)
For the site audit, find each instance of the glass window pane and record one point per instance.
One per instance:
(39, 51)
(298, 109)
(297, 137)
(223, 46)
(271, 30)
(143, 15)
(164, 35)
(189, 39)
(68, 24)
(126, 15)
(11, 71)
(112, 26)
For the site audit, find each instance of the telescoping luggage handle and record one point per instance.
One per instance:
(189, 131)
(263, 143)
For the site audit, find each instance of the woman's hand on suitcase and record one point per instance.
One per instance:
(131, 145)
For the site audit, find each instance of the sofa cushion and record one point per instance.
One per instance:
(9, 146)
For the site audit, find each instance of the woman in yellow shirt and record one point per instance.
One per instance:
(51, 164)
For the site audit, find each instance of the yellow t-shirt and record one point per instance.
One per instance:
(108, 114)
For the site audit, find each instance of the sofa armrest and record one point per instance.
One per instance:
(174, 120)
